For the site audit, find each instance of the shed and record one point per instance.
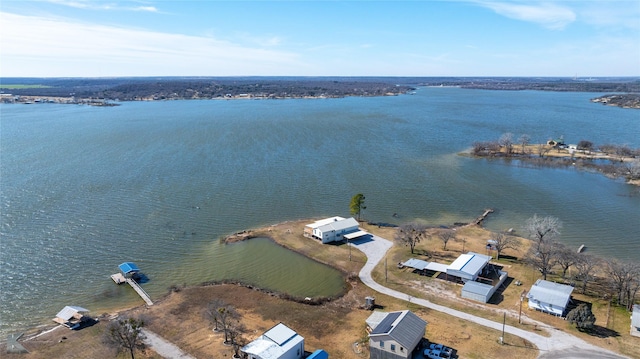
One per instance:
(549, 297)
(477, 291)
(71, 316)
(468, 266)
(635, 320)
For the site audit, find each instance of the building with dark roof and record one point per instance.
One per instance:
(396, 335)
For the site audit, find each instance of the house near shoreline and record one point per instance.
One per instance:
(333, 229)
(549, 297)
(279, 342)
(635, 320)
(394, 335)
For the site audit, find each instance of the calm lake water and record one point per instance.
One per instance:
(158, 183)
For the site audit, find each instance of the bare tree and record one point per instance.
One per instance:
(623, 277)
(566, 258)
(410, 234)
(543, 149)
(585, 145)
(445, 236)
(586, 265)
(236, 330)
(503, 241)
(524, 141)
(542, 229)
(212, 312)
(125, 334)
(506, 141)
(542, 257)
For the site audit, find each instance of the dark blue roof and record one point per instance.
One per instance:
(386, 324)
(129, 267)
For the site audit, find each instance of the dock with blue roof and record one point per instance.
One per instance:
(128, 272)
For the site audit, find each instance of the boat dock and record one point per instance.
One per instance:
(118, 278)
(129, 270)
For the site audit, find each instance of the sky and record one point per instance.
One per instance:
(554, 38)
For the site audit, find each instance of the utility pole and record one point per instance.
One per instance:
(385, 270)
(504, 321)
(349, 245)
(524, 292)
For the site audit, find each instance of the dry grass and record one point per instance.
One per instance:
(337, 325)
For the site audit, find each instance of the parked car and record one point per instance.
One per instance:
(441, 348)
(435, 354)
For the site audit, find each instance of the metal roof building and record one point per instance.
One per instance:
(397, 335)
(635, 320)
(279, 342)
(129, 268)
(332, 229)
(468, 266)
(549, 297)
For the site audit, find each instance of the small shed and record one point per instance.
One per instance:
(549, 297)
(477, 291)
(635, 320)
(129, 269)
(71, 316)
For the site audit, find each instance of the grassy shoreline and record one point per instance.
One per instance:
(178, 316)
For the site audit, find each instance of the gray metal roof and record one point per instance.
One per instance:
(280, 334)
(552, 293)
(338, 225)
(468, 265)
(477, 288)
(404, 327)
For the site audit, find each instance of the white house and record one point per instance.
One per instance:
(549, 297)
(635, 320)
(394, 335)
(468, 266)
(331, 229)
(279, 342)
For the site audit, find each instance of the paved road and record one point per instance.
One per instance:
(164, 348)
(558, 345)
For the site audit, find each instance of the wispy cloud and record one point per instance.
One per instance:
(59, 47)
(96, 5)
(547, 14)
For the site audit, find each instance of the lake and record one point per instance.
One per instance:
(84, 189)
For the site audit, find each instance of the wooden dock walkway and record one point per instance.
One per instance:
(140, 291)
(484, 215)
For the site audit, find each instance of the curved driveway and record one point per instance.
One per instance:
(557, 345)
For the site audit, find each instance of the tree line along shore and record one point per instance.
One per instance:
(612, 160)
(103, 92)
(184, 317)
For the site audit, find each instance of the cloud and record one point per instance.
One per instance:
(46, 46)
(549, 15)
(93, 5)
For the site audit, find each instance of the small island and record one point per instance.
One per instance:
(612, 160)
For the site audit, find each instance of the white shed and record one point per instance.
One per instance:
(549, 297)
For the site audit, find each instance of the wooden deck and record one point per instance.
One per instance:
(140, 291)
(118, 278)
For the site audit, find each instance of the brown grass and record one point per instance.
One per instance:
(337, 325)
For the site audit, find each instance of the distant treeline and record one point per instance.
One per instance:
(290, 87)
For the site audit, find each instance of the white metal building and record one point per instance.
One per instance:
(635, 320)
(468, 266)
(331, 229)
(279, 342)
(549, 297)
